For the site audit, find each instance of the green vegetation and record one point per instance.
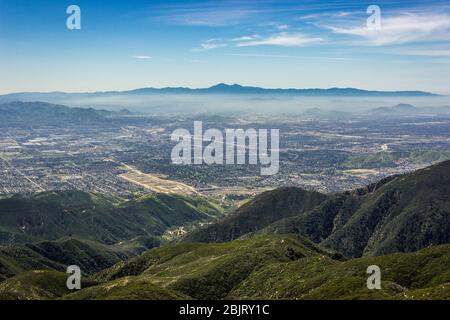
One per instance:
(421, 275)
(399, 214)
(54, 229)
(268, 267)
(18, 259)
(126, 289)
(211, 271)
(90, 256)
(87, 216)
(37, 285)
(258, 213)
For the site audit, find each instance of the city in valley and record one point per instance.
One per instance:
(129, 154)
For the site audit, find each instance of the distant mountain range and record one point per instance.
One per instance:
(238, 89)
(221, 88)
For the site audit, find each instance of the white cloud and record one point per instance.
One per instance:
(403, 29)
(245, 38)
(209, 46)
(277, 56)
(283, 39)
(320, 16)
(208, 13)
(143, 57)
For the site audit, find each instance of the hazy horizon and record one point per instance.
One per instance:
(213, 85)
(243, 104)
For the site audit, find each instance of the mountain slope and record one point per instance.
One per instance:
(52, 230)
(260, 267)
(399, 214)
(408, 213)
(420, 275)
(210, 271)
(37, 285)
(90, 256)
(265, 209)
(55, 215)
(272, 267)
(403, 214)
(126, 289)
(18, 259)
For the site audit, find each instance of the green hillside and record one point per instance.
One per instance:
(258, 213)
(269, 267)
(90, 256)
(421, 275)
(18, 259)
(399, 214)
(37, 285)
(51, 230)
(260, 267)
(126, 289)
(209, 271)
(55, 215)
(404, 215)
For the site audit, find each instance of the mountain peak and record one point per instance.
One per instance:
(225, 85)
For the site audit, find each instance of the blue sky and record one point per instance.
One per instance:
(270, 43)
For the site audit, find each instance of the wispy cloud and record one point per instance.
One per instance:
(211, 44)
(283, 27)
(142, 57)
(283, 39)
(279, 56)
(320, 16)
(400, 29)
(245, 38)
(209, 14)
